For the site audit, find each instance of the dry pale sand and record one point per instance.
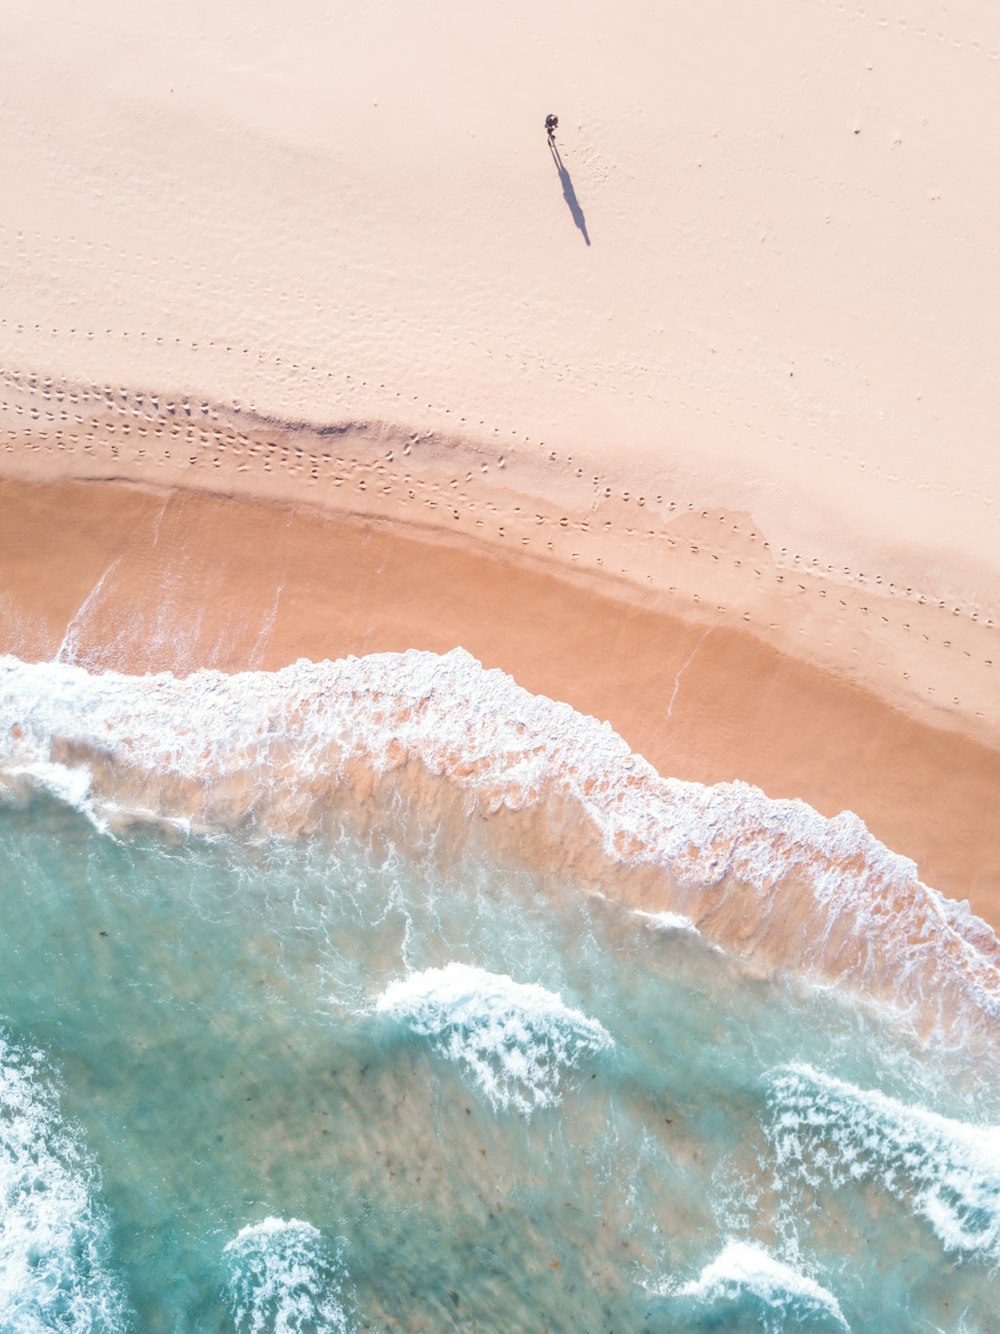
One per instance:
(692, 427)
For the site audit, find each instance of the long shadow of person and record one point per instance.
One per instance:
(569, 194)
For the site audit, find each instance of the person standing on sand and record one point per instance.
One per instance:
(551, 125)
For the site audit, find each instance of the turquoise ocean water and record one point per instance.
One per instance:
(258, 1082)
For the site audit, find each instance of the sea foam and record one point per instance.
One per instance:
(515, 1042)
(828, 1132)
(747, 1287)
(667, 921)
(286, 1278)
(55, 1269)
(273, 752)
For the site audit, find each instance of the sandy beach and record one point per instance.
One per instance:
(499, 666)
(310, 346)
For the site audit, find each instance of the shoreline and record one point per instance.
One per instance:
(720, 469)
(430, 754)
(143, 579)
(933, 656)
(500, 662)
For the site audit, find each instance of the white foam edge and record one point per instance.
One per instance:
(514, 1040)
(73, 785)
(54, 1231)
(272, 1226)
(295, 1268)
(981, 1141)
(464, 993)
(506, 747)
(750, 1267)
(67, 783)
(967, 1161)
(666, 921)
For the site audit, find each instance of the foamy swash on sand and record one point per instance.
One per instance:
(283, 752)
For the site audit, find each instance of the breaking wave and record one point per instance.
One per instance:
(278, 752)
(746, 1288)
(515, 1042)
(827, 1132)
(54, 1238)
(285, 1278)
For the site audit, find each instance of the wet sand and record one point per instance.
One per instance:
(141, 579)
(308, 346)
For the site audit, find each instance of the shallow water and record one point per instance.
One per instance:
(297, 1086)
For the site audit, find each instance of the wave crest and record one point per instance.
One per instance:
(284, 1277)
(54, 1238)
(826, 1131)
(745, 1287)
(515, 1041)
(278, 752)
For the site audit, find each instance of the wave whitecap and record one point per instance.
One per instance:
(514, 1041)
(285, 1278)
(828, 1132)
(55, 1270)
(745, 1287)
(274, 752)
